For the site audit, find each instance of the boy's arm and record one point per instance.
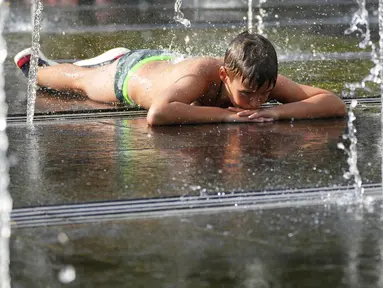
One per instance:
(300, 102)
(173, 105)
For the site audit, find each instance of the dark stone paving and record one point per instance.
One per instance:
(325, 245)
(334, 243)
(78, 161)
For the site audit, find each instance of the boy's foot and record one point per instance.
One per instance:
(23, 58)
(106, 58)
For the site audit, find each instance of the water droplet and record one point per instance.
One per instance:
(195, 187)
(63, 238)
(67, 274)
(340, 146)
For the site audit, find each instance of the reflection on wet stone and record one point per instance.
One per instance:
(117, 159)
(89, 160)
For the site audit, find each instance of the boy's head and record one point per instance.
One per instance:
(250, 66)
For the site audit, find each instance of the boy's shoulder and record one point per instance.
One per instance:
(204, 65)
(207, 60)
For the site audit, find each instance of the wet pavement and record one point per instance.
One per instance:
(247, 205)
(97, 190)
(313, 246)
(62, 161)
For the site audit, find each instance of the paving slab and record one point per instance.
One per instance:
(74, 161)
(325, 245)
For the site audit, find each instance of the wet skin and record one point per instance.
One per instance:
(167, 89)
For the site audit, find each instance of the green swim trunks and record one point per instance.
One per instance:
(130, 63)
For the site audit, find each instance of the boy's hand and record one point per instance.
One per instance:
(266, 115)
(234, 118)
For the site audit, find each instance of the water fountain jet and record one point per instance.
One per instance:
(250, 16)
(5, 198)
(32, 77)
(260, 16)
(360, 24)
(380, 19)
(179, 16)
(351, 151)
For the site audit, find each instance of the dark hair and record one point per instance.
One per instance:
(253, 57)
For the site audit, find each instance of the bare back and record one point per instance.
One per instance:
(154, 78)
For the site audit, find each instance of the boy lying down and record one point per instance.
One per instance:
(193, 90)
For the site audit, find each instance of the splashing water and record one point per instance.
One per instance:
(32, 77)
(179, 16)
(351, 151)
(33, 11)
(381, 40)
(67, 274)
(250, 16)
(5, 198)
(381, 72)
(360, 24)
(260, 16)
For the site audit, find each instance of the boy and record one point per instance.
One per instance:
(194, 90)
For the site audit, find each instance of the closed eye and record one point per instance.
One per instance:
(247, 93)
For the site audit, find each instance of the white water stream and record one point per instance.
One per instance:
(381, 76)
(250, 16)
(179, 16)
(260, 17)
(5, 198)
(360, 24)
(32, 77)
(352, 153)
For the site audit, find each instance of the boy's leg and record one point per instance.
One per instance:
(96, 83)
(105, 58)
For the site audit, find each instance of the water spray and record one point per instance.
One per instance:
(5, 198)
(179, 16)
(351, 151)
(32, 77)
(360, 24)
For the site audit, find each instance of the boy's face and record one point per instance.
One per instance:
(243, 96)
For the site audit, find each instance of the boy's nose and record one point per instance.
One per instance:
(254, 102)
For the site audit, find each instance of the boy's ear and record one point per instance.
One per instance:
(222, 73)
